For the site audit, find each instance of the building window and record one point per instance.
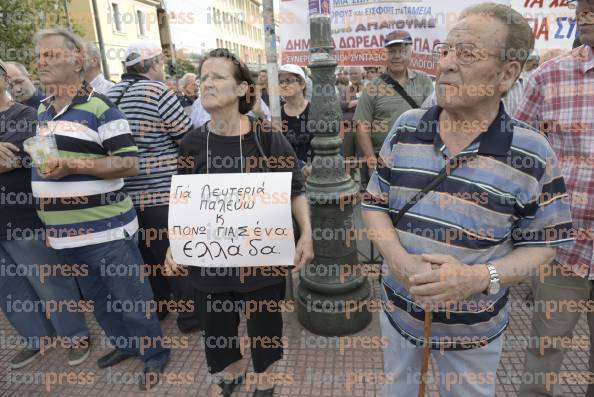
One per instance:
(117, 17)
(140, 17)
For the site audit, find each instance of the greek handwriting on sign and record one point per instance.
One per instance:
(231, 220)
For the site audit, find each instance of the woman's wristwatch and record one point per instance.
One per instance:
(494, 280)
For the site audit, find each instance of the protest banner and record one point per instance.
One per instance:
(553, 22)
(359, 27)
(231, 220)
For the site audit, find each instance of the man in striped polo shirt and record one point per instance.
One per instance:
(491, 222)
(158, 122)
(89, 218)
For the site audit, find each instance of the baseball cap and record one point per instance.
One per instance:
(294, 69)
(141, 51)
(397, 37)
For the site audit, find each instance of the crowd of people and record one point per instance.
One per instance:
(473, 181)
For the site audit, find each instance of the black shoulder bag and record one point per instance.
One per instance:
(400, 90)
(263, 153)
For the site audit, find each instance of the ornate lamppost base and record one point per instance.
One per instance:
(334, 315)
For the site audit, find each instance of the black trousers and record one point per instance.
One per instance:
(219, 315)
(153, 242)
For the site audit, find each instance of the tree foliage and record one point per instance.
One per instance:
(184, 64)
(20, 20)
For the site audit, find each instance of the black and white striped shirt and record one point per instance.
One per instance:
(158, 121)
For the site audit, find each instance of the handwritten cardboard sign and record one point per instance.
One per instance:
(231, 220)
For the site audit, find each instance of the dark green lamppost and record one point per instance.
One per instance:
(331, 286)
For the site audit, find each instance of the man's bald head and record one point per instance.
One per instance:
(20, 85)
(355, 74)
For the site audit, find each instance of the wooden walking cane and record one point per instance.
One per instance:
(425, 357)
(451, 165)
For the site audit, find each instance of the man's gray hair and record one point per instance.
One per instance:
(359, 69)
(184, 80)
(519, 42)
(71, 42)
(91, 52)
(141, 67)
(19, 66)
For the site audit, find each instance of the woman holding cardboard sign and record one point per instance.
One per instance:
(229, 143)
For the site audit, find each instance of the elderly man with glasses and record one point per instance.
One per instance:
(464, 203)
(559, 100)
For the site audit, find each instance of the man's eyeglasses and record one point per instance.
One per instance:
(466, 53)
(288, 81)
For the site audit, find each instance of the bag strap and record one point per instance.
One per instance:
(119, 99)
(452, 164)
(266, 168)
(400, 90)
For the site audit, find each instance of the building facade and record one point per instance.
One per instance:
(201, 25)
(122, 22)
(239, 27)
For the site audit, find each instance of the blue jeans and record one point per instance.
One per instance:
(25, 295)
(123, 305)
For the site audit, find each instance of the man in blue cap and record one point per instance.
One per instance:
(386, 97)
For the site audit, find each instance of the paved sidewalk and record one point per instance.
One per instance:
(312, 366)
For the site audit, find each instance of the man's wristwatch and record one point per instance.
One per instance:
(494, 281)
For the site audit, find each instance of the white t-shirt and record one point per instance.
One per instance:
(101, 85)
